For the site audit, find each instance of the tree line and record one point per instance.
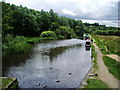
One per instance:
(21, 21)
(98, 29)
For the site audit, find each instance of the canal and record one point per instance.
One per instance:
(51, 64)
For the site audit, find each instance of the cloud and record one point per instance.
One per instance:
(68, 12)
(103, 22)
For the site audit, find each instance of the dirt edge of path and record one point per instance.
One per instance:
(114, 56)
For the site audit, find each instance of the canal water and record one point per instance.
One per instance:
(51, 64)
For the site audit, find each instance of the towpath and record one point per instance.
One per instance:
(103, 72)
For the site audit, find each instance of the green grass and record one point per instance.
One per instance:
(113, 46)
(95, 83)
(113, 66)
(5, 81)
(94, 55)
(109, 44)
(0, 83)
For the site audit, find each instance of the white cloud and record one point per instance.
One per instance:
(103, 22)
(68, 12)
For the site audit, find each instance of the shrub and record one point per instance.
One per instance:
(15, 45)
(61, 37)
(66, 32)
(48, 35)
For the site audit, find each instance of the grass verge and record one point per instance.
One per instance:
(95, 83)
(113, 66)
(94, 56)
(19, 44)
(4, 82)
(109, 44)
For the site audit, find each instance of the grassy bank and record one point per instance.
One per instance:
(8, 83)
(109, 44)
(113, 66)
(95, 83)
(94, 57)
(19, 44)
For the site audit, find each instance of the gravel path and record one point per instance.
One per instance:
(114, 56)
(103, 72)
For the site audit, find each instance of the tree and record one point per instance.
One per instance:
(45, 20)
(54, 26)
(65, 32)
(53, 16)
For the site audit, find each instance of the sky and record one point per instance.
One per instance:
(101, 11)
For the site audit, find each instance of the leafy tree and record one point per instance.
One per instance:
(53, 16)
(66, 32)
(54, 26)
(78, 31)
(45, 18)
(7, 19)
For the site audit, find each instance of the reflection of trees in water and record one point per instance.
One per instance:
(13, 60)
(54, 52)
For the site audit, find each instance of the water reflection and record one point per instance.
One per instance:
(52, 61)
(54, 52)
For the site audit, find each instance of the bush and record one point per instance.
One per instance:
(48, 35)
(67, 32)
(14, 45)
(18, 44)
(61, 37)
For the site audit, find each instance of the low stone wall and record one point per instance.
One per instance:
(13, 83)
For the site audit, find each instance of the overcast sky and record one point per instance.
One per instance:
(101, 11)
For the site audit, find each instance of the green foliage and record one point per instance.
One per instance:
(95, 83)
(14, 45)
(98, 29)
(54, 26)
(65, 32)
(101, 43)
(48, 34)
(94, 55)
(21, 21)
(109, 44)
(113, 66)
(114, 46)
(18, 44)
(60, 37)
(107, 32)
(79, 31)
